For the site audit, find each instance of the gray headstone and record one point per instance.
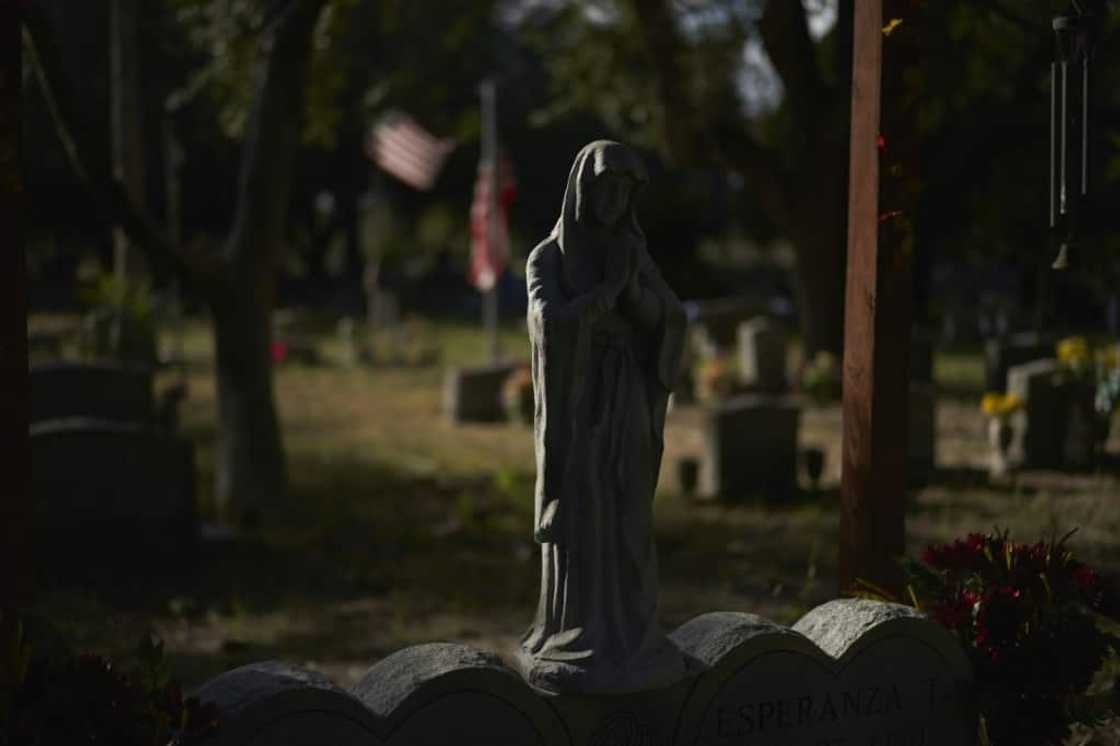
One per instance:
(850, 672)
(750, 447)
(475, 394)
(1039, 429)
(111, 491)
(277, 704)
(922, 433)
(429, 695)
(99, 391)
(442, 693)
(762, 355)
(1006, 352)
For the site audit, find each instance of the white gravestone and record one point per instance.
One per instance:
(762, 355)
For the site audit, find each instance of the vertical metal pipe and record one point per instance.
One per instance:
(1053, 144)
(1063, 206)
(1085, 124)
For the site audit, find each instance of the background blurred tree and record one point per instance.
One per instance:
(671, 73)
(762, 90)
(296, 83)
(238, 282)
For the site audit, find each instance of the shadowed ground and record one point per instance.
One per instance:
(401, 528)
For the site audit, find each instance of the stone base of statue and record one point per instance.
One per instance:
(849, 672)
(661, 666)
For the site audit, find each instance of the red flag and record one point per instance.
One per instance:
(493, 195)
(406, 150)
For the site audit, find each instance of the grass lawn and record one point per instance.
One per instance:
(401, 528)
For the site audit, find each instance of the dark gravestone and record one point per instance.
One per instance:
(1055, 428)
(97, 391)
(1040, 427)
(750, 447)
(475, 394)
(111, 491)
(1000, 355)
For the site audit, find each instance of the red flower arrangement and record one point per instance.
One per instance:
(1027, 617)
(51, 696)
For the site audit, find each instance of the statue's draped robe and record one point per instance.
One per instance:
(601, 386)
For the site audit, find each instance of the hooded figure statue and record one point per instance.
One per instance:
(607, 336)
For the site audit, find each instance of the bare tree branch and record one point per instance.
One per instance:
(111, 200)
(665, 53)
(724, 139)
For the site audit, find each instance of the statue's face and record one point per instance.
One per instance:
(611, 197)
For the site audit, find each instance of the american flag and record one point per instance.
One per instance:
(403, 148)
(494, 191)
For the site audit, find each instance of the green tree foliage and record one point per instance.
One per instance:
(679, 75)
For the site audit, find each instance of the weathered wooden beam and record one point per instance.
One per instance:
(882, 195)
(15, 501)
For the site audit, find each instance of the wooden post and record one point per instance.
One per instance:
(882, 196)
(15, 500)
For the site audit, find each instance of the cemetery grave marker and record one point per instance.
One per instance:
(850, 673)
(762, 355)
(475, 394)
(1052, 431)
(111, 491)
(102, 391)
(750, 447)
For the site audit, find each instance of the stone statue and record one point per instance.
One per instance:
(607, 335)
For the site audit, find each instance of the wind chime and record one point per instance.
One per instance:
(1075, 35)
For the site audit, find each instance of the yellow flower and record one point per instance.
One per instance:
(1108, 358)
(1073, 351)
(1000, 405)
(1013, 403)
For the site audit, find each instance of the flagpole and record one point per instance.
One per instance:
(489, 101)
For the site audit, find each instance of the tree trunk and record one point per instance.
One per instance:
(239, 285)
(820, 273)
(804, 188)
(250, 473)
